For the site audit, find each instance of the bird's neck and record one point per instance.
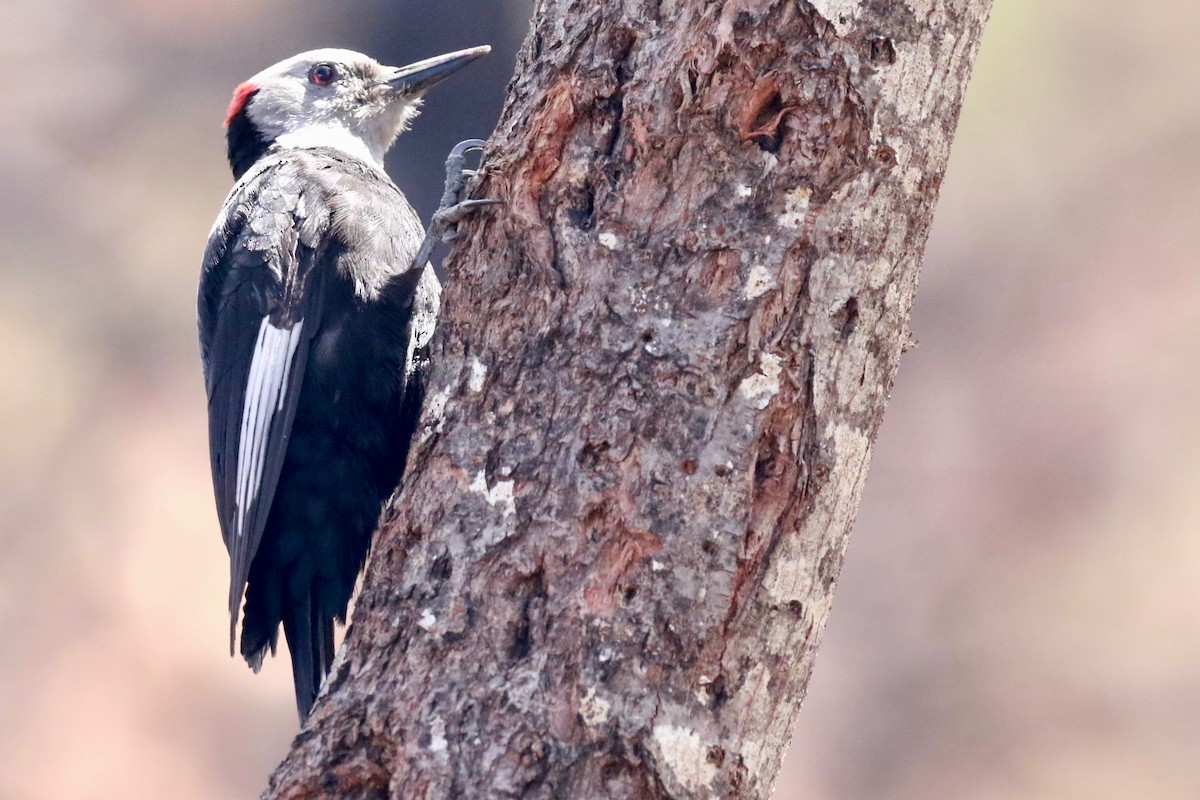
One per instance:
(247, 143)
(332, 136)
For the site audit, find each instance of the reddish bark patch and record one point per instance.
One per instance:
(547, 134)
(624, 549)
(763, 115)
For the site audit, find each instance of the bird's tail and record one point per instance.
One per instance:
(309, 631)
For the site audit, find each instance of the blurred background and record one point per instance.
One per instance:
(1019, 614)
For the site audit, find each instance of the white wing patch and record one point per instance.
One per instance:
(266, 391)
(426, 305)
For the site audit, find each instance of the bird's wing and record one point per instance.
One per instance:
(259, 309)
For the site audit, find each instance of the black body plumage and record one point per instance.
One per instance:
(312, 320)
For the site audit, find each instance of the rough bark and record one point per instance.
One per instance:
(658, 376)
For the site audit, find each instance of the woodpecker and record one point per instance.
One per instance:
(315, 308)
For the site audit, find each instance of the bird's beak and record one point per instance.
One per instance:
(416, 79)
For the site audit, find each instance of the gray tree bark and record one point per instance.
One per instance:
(657, 379)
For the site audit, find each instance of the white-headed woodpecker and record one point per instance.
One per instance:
(315, 312)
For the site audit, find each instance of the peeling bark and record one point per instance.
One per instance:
(658, 376)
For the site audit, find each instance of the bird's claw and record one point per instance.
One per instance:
(454, 206)
(445, 220)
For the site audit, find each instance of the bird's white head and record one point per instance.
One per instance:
(332, 98)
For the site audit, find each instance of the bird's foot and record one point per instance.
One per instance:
(454, 206)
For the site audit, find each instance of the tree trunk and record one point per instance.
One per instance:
(657, 379)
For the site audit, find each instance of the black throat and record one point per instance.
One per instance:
(246, 144)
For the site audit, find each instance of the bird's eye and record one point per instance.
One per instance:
(322, 74)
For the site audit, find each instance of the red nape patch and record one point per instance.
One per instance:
(241, 96)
